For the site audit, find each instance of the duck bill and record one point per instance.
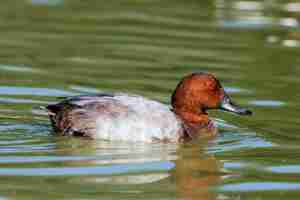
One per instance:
(228, 105)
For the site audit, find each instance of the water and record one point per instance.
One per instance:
(60, 48)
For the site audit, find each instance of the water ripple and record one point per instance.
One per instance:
(99, 170)
(259, 186)
(286, 169)
(10, 90)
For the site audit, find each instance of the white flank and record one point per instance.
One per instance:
(145, 120)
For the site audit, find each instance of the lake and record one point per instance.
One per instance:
(58, 48)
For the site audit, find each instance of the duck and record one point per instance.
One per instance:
(129, 117)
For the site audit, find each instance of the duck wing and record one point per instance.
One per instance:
(76, 102)
(77, 115)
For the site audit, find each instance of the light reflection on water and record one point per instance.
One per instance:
(21, 69)
(258, 186)
(9, 90)
(46, 2)
(285, 169)
(267, 103)
(79, 171)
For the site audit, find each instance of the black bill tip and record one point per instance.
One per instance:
(245, 112)
(228, 105)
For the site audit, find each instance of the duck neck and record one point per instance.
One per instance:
(192, 117)
(192, 123)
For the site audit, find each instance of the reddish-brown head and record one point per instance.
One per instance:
(199, 92)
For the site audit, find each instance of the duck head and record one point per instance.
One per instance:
(199, 92)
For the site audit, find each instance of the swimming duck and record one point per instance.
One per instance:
(128, 117)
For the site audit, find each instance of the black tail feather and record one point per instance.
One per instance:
(54, 108)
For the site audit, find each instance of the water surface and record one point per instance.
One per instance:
(58, 48)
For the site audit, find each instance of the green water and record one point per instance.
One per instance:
(60, 48)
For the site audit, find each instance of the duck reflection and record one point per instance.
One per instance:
(196, 172)
(188, 169)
